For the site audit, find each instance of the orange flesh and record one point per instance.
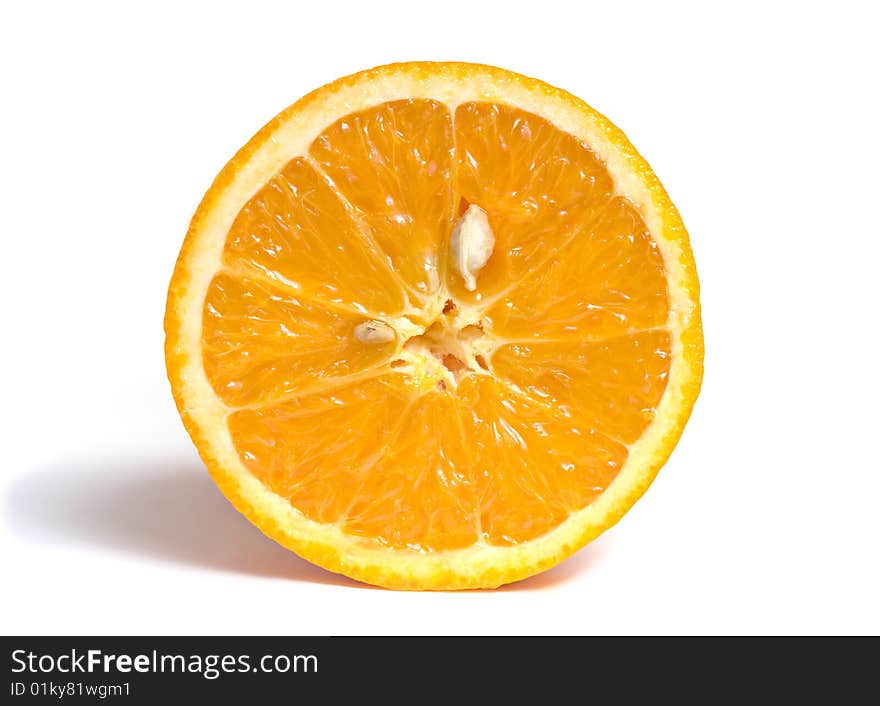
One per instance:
(573, 305)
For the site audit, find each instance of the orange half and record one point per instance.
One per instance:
(436, 326)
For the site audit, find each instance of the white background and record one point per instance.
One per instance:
(762, 122)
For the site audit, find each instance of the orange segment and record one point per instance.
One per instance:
(340, 436)
(393, 162)
(260, 343)
(282, 232)
(533, 466)
(538, 184)
(427, 460)
(615, 384)
(449, 341)
(607, 280)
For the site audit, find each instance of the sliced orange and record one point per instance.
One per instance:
(436, 326)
